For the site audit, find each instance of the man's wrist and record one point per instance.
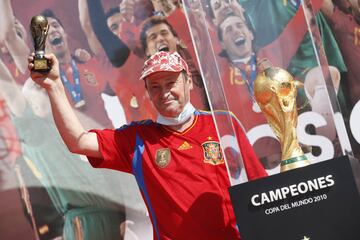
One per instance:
(56, 87)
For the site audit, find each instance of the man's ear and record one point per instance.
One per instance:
(147, 55)
(180, 43)
(190, 82)
(252, 35)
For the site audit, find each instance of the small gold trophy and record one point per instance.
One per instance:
(275, 92)
(39, 28)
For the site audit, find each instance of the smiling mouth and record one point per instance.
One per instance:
(56, 41)
(239, 41)
(166, 102)
(164, 48)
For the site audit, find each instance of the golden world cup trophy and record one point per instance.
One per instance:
(275, 93)
(39, 28)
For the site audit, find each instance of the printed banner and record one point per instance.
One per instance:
(101, 46)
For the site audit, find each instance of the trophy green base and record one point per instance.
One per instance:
(41, 65)
(294, 163)
(320, 201)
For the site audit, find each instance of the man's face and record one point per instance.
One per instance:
(169, 92)
(160, 38)
(237, 38)
(224, 8)
(20, 31)
(56, 42)
(114, 23)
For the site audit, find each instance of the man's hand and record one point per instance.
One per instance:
(165, 7)
(327, 8)
(45, 80)
(82, 55)
(127, 9)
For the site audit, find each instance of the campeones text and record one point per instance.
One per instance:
(292, 190)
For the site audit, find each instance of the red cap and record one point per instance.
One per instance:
(164, 62)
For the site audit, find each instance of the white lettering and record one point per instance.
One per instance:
(272, 210)
(354, 121)
(330, 181)
(305, 187)
(285, 191)
(228, 141)
(322, 183)
(293, 190)
(264, 198)
(342, 133)
(259, 132)
(254, 201)
(313, 185)
(326, 146)
(275, 195)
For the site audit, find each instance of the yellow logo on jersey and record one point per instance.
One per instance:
(185, 146)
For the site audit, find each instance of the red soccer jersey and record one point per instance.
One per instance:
(182, 176)
(93, 79)
(131, 91)
(236, 82)
(347, 33)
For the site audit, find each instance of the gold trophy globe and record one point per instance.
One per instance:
(39, 28)
(275, 92)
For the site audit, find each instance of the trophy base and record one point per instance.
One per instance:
(293, 163)
(41, 65)
(320, 201)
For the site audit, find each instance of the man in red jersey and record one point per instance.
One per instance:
(84, 81)
(177, 160)
(344, 19)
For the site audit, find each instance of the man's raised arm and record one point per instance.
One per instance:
(116, 50)
(71, 130)
(327, 8)
(13, 38)
(85, 23)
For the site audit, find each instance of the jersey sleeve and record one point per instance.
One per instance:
(116, 147)
(254, 169)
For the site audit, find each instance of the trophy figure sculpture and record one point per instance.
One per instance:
(39, 28)
(275, 93)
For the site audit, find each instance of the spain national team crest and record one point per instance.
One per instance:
(212, 153)
(90, 77)
(162, 157)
